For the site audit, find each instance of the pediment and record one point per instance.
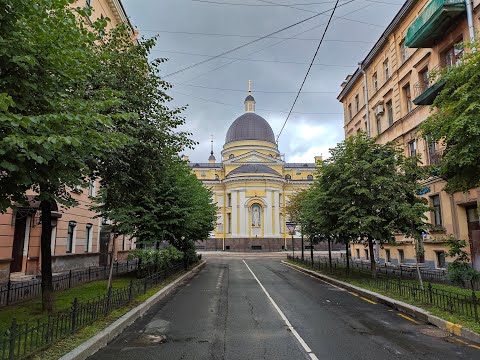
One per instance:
(255, 157)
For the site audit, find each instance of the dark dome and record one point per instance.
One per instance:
(250, 126)
(249, 98)
(253, 168)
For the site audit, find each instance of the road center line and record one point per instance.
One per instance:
(284, 318)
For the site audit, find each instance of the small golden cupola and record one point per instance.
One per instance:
(249, 100)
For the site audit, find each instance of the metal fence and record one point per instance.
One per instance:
(455, 303)
(14, 292)
(401, 271)
(22, 340)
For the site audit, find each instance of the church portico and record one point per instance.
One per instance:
(251, 186)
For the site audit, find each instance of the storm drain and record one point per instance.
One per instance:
(434, 332)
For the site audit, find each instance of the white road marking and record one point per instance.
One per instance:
(304, 273)
(284, 318)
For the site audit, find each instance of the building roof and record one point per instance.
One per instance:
(402, 13)
(205, 165)
(250, 126)
(300, 165)
(253, 168)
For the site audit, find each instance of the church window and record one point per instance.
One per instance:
(288, 177)
(309, 177)
(217, 177)
(203, 174)
(231, 156)
(229, 200)
(229, 223)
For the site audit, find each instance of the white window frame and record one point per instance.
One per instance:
(88, 237)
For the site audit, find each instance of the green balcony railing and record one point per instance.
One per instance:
(431, 24)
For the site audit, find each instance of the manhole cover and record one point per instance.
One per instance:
(434, 332)
(153, 339)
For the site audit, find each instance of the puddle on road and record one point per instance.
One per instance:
(434, 332)
(151, 339)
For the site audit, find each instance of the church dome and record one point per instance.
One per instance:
(250, 126)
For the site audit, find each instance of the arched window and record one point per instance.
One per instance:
(231, 156)
(288, 177)
(217, 177)
(309, 177)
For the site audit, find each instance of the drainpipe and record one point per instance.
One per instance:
(471, 28)
(367, 110)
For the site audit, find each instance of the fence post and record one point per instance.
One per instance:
(9, 285)
(117, 266)
(475, 303)
(400, 266)
(74, 314)
(430, 292)
(13, 335)
(89, 273)
(107, 308)
(128, 269)
(70, 279)
(130, 291)
(145, 285)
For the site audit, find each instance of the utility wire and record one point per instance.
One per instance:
(253, 41)
(304, 4)
(308, 71)
(266, 47)
(256, 91)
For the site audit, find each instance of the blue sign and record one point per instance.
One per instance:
(423, 191)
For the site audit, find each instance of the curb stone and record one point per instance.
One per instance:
(101, 339)
(418, 313)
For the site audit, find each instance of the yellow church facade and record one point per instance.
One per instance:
(251, 186)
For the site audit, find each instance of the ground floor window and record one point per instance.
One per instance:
(358, 253)
(72, 227)
(440, 259)
(387, 255)
(401, 256)
(366, 254)
(88, 236)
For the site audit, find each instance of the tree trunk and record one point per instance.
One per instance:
(302, 247)
(329, 255)
(110, 275)
(417, 254)
(46, 253)
(348, 257)
(373, 265)
(311, 249)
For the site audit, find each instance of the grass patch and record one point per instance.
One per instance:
(29, 310)
(69, 343)
(364, 281)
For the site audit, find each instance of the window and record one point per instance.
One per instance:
(288, 177)
(388, 257)
(401, 256)
(229, 223)
(88, 236)
(357, 103)
(88, 3)
(72, 226)
(375, 82)
(440, 259)
(379, 124)
(217, 177)
(408, 97)
(366, 254)
(424, 81)
(358, 253)
(231, 156)
(404, 51)
(390, 113)
(437, 210)
(386, 68)
(350, 116)
(229, 200)
(92, 188)
(203, 174)
(412, 148)
(310, 177)
(452, 56)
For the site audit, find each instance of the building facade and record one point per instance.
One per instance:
(390, 95)
(76, 235)
(251, 186)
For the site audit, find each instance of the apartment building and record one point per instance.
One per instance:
(390, 95)
(77, 238)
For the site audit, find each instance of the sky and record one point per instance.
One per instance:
(190, 31)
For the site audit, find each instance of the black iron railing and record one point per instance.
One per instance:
(24, 339)
(14, 292)
(391, 282)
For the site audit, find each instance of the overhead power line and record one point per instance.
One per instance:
(298, 4)
(252, 42)
(309, 68)
(267, 47)
(256, 91)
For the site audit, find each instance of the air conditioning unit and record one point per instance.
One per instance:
(379, 110)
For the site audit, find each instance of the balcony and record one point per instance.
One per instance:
(434, 22)
(425, 92)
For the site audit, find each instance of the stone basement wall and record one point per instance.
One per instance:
(62, 263)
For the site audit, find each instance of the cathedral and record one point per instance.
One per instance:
(251, 186)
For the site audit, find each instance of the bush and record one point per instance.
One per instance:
(161, 258)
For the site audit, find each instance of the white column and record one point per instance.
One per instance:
(234, 213)
(242, 210)
(268, 214)
(276, 218)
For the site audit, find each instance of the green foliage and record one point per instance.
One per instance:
(460, 271)
(163, 258)
(456, 124)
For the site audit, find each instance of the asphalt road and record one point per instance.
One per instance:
(261, 309)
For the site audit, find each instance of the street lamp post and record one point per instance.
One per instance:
(291, 231)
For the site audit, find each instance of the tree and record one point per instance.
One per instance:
(460, 270)
(456, 124)
(54, 126)
(370, 191)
